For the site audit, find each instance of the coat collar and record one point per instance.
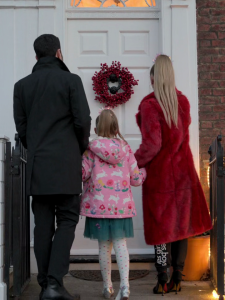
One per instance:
(49, 62)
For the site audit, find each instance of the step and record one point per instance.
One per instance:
(87, 262)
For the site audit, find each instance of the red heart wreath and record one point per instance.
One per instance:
(113, 95)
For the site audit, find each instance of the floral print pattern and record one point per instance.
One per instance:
(109, 169)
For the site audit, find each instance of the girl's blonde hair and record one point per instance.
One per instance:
(165, 88)
(107, 125)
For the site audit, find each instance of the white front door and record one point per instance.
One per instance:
(134, 43)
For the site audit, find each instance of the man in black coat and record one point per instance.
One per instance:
(52, 119)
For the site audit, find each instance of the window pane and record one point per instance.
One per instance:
(119, 3)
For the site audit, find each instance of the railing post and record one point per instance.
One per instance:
(17, 221)
(3, 200)
(8, 217)
(21, 220)
(220, 218)
(217, 215)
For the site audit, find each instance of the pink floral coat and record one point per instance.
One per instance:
(109, 170)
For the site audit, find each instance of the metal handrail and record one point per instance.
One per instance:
(217, 185)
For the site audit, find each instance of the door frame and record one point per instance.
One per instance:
(178, 39)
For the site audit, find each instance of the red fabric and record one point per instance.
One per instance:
(174, 204)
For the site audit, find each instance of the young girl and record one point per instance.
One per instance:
(109, 170)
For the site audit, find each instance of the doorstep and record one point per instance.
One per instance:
(90, 262)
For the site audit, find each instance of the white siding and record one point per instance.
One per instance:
(21, 22)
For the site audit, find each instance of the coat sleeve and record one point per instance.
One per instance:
(81, 113)
(87, 165)
(20, 117)
(151, 134)
(137, 176)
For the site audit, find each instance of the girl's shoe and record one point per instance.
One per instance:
(161, 287)
(175, 283)
(108, 292)
(125, 293)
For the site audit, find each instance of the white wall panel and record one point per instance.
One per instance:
(2, 291)
(2, 150)
(46, 22)
(25, 34)
(2, 194)
(1, 278)
(179, 40)
(2, 216)
(7, 70)
(21, 22)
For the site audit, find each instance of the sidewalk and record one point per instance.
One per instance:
(141, 289)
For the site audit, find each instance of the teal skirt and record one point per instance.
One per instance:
(108, 229)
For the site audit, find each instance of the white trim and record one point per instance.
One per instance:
(178, 6)
(26, 6)
(3, 137)
(112, 13)
(3, 289)
(9, 4)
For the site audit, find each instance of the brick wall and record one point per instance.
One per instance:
(211, 72)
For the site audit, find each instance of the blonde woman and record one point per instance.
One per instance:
(173, 201)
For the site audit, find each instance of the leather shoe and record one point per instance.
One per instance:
(42, 291)
(54, 291)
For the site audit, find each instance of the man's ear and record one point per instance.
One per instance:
(36, 57)
(59, 54)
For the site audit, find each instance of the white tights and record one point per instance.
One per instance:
(122, 257)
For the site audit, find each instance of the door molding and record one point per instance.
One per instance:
(112, 13)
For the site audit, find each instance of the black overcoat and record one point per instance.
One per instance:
(52, 118)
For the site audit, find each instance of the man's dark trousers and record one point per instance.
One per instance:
(52, 246)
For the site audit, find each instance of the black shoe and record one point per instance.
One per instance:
(43, 288)
(54, 291)
(161, 287)
(41, 293)
(175, 282)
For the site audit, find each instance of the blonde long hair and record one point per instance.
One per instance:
(107, 125)
(165, 89)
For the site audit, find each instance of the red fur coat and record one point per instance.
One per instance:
(173, 201)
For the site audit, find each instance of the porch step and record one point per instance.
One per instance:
(82, 259)
(137, 262)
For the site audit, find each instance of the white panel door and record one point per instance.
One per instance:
(133, 42)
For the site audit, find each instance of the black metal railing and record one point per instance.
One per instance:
(217, 174)
(17, 220)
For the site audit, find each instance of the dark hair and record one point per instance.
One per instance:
(46, 45)
(152, 70)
